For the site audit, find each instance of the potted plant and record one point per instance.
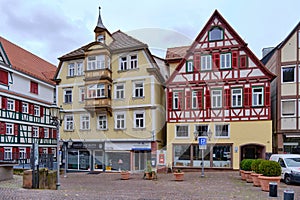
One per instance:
(149, 173)
(125, 175)
(271, 172)
(255, 171)
(178, 174)
(242, 171)
(248, 170)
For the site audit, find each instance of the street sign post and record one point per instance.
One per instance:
(202, 141)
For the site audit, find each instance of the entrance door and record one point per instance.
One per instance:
(98, 160)
(140, 160)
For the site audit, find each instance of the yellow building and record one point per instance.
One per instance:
(218, 90)
(113, 94)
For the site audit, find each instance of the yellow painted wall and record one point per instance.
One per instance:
(289, 50)
(241, 133)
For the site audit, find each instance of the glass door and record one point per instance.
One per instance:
(98, 160)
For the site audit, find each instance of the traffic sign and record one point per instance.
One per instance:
(202, 141)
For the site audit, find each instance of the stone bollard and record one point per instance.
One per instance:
(273, 189)
(288, 194)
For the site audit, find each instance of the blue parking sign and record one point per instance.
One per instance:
(202, 140)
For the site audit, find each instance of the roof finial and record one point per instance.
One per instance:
(100, 23)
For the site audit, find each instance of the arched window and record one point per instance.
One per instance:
(216, 33)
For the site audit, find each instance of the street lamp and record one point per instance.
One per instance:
(67, 144)
(57, 116)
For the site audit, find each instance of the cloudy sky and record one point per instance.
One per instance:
(52, 28)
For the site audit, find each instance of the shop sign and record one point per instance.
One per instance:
(77, 145)
(94, 145)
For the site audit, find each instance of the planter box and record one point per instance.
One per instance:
(248, 176)
(265, 181)
(256, 181)
(125, 175)
(242, 172)
(178, 176)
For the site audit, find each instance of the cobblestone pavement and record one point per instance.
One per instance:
(215, 185)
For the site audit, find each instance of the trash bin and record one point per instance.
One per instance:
(288, 194)
(273, 189)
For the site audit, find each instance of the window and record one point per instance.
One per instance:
(96, 62)
(206, 62)
(7, 153)
(120, 121)
(10, 104)
(79, 68)
(96, 91)
(84, 122)
(45, 150)
(35, 132)
(69, 123)
(133, 62)
(236, 95)
(182, 130)
(81, 94)
(119, 91)
(36, 110)
(53, 152)
(3, 76)
(68, 96)
(102, 122)
(24, 107)
(138, 88)
(22, 153)
(46, 132)
(216, 33)
(225, 61)
(201, 129)
(189, 66)
(175, 100)
(71, 69)
(288, 108)
(287, 74)
(123, 63)
(194, 99)
(34, 87)
(222, 130)
(139, 119)
(257, 96)
(100, 38)
(216, 98)
(9, 129)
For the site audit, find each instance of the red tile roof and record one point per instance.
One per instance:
(28, 63)
(176, 52)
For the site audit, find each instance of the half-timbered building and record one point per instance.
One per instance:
(26, 94)
(219, 89)
(284, 61)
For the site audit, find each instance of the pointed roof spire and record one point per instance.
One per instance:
(100, 23)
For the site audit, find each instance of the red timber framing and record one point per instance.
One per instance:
(228, 82)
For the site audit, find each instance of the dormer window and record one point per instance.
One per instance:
(216, 33)
(100, 38)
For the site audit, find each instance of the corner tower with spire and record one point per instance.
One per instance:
(101, 33)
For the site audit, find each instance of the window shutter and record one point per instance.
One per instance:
(41, 111)
(170, 100)
(267, 93)
(40, 150)
(216, 60)
(197, 58)
(207, 98)
(243, 61)
(199, 96)
(17, 105)
(2, 128)
(49, 150)
(16, 129)
(31, 109)
(1, 153)
(28, 152)
(4, 77)
(247, 97)
(188, 100)
(15, 151)
(234, 59)
(53, 133)
(4, 102)
(41, 132)
(227, 98)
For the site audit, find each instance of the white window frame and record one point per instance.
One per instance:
(96, 91)
(68, 95)
(235, 103)
(137, 121)
(96, 62)
(189, 66)
(79, 68)
(225, 61)
(216, 98)
(206, 62)
(71, 69)
(121, 121)
(45, 150)
(133, 61)
(102, 123)
(36, 110)
(35, 132)
(84, 122)
(175, 99)
(9, 129)
(282, 69)
(119, 93)
(217, 133)
(46, 132)
(187, 131)
(123, 63)
(257, 96)
(10, 104)
(138, 91)
(7, 153)
(69, 122)
(81, 94)
(24, 107)
(53, 152)
(288, 114)
(22, 153)
(194, 99)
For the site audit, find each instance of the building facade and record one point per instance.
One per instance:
(219, 89)
(112, 90)
(284, 61)
(26, 94)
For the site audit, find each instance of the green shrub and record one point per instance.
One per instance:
(269, 168)
(242, 164)
(255, 165)
(246, 164)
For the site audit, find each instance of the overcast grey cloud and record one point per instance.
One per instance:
(52, 28)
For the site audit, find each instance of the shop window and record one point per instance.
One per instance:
(182, 155)
(222, 156)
